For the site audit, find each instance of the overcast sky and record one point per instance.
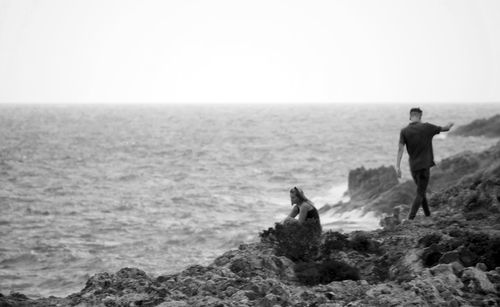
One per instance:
(249, 51)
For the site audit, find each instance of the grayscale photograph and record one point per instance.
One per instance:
(225, 153)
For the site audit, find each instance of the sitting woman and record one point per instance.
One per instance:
(304, 208)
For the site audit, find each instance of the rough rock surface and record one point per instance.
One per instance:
(376, 190)
(449, 259)
(481, 127)
(381, 197)
(367, 184)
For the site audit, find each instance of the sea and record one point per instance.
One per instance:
(94, 188)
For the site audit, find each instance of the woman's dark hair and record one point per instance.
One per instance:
(300, 195)
(416, 110)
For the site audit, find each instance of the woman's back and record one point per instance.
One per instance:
(312, 214)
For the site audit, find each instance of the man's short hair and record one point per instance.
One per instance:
(416, 110)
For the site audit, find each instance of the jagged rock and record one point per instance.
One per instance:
(390, 222)
(494, 277)
(127, 286)
(346, 290)
(481, 127)
(400, 195)
(431, 255)
(366, 184)
(446, 275)
(476, 280)
(481, 266)
(174, 304)
(452, 169)
(430, 239)
(333, 305)
(421, 291)
(457, 267)
(449, 257)
(257, 260)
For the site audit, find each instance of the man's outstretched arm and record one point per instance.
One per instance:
(447, 127)
(401, 149)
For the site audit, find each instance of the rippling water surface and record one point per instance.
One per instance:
(86, 189)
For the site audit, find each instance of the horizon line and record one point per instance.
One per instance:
(246, 103)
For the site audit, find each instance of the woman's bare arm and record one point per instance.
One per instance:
(295, 211)
(303, 214)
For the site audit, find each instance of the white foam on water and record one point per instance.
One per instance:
(336, 194)
(352, 220)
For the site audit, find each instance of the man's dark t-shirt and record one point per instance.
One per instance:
(418, 140)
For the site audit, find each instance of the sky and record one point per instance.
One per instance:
(259, 51)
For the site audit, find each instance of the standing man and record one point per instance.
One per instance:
(417, 137)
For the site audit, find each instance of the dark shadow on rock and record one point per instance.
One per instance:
(324, 272)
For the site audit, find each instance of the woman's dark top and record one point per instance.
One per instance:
(312, 215)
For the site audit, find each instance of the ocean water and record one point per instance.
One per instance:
(88, 188)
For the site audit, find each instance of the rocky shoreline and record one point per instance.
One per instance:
(487, 127)
(449, 259)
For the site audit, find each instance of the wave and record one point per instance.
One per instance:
(337, 193)
(352, 220)
(22, 259)
(355, 219)
(36, 212)
(127, 177)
